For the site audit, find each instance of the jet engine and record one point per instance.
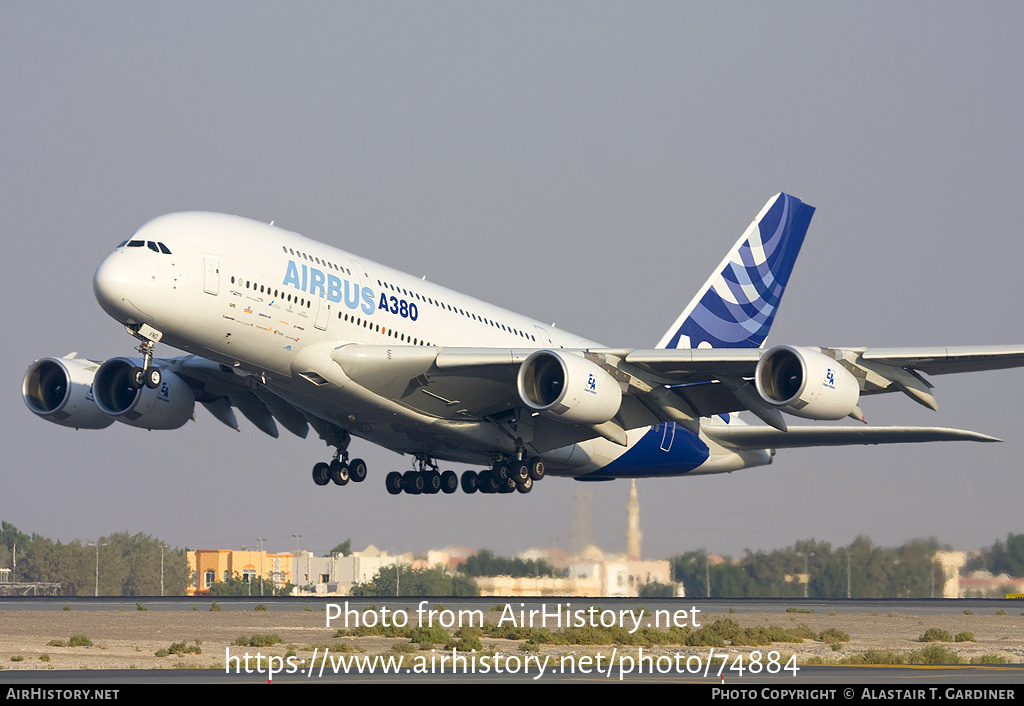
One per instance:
(169, 406)
(568, 388)
(60, 391)
(806, 383)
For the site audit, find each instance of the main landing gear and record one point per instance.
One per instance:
(426, 480)
(340, 470)
(507, 476)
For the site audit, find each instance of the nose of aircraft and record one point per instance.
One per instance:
(112, 285)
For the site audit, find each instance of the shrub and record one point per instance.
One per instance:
(964, 637)
(260, 608)
(181, 648)
(833, 635)
(434, 635)
(469, 643)
(935, 635)
(79, 641)
(989, 659)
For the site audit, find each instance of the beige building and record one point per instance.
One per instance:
(337, 575)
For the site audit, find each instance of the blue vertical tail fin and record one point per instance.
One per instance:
(736, 306)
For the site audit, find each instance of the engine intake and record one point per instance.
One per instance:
(568, 388)
(167, 407)
(806, 383)
(60, 391)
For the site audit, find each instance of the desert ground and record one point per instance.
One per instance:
(136, 639)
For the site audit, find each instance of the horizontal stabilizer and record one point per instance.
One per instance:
(741, 437)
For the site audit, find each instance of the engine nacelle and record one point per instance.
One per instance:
(806, 383)
(167, 407)
(568, 388)
(60, 391)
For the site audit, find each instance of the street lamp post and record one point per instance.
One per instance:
(261, 540)
(98, 545)
(162, 547)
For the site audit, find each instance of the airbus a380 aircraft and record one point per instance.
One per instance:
(288, 330)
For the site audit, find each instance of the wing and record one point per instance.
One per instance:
(747, 438)
(654, 386)
(221, 390)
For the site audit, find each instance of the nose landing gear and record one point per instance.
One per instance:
(147, 375)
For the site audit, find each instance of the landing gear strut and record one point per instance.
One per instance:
(147, 375)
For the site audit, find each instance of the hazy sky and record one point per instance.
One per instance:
(584, 163)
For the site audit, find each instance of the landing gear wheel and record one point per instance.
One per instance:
(431, 482)
(470, 482)
(449, 482)
(537, 469)
(488, 483)
(321, 474)
(526, 486)
(357, 470)
(394, 482)
(413, 482)
(136, 378)
(151, 378)
(506, 486)
(520, 471)
(339, 472)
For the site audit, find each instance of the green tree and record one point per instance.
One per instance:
(1006, 558)
(344, 549)
(70, 565)
(401, 580)
(237, 585)
(484, 563)
(656, 590)
(134, 563)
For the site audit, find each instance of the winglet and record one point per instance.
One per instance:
(736, 306)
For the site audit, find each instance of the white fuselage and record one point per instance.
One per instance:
(271, 303)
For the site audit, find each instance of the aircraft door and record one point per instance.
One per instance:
(323, 313)
(211, 275)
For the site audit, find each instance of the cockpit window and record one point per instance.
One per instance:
(152, 246)
(136, 243)
(164, 249)
(123, 243)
